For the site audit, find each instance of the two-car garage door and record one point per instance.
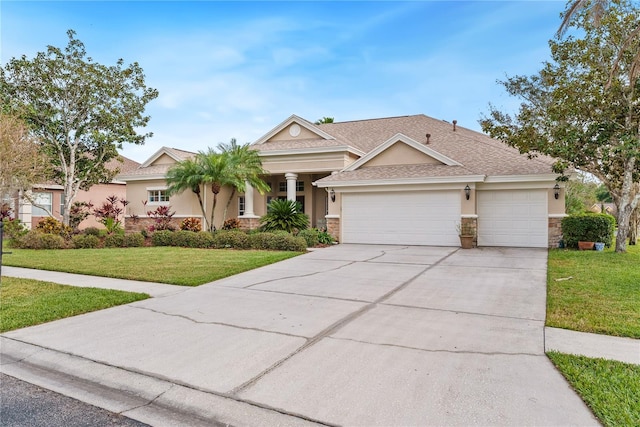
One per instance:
(401, 217)
(505, 218)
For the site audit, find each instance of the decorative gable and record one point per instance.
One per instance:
(164, 156)
(401, 150)
(294, 128)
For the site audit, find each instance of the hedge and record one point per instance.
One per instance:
(588, 228)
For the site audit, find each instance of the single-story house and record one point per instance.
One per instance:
(49, 197)
(398, 180)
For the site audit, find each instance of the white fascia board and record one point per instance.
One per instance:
(313, 150)
(157, 154)
(293, 119)
(126, 178)
(48, 186)
(469, 179)
(522, 178)
(399, 137)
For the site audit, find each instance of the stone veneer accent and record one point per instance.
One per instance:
(247, 224)
(333, 228)
(555, 231)
(472, 224)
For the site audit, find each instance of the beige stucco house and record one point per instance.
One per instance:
(398, 180)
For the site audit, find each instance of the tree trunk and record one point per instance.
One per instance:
(226, 208)
(626, 202)
(202, 208)
(634, 223)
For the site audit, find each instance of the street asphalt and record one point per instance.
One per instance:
(346, 335)
(26, 405)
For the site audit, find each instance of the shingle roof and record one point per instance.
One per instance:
(478, 153)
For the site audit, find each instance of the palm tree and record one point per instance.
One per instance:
(246, 166)
(323, 121)
(218, 171)
(187, 175)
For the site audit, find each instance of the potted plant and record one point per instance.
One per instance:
(466, 232)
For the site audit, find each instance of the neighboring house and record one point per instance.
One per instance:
(609, 208)
(398, 180)
(49, 197)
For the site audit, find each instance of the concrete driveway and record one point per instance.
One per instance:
(347, 335)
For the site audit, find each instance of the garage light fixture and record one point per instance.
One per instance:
(332, 194)
(556, 191)
(467, 192)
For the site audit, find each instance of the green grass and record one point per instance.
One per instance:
(603, 295)
(609, 388)
(178, 266)
(25, 302)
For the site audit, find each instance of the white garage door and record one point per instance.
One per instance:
(513, 218)
(403, 218)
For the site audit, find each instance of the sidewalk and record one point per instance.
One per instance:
(562, 340)
(84, 281)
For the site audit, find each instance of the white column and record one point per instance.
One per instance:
(248, 200)
(291, 185)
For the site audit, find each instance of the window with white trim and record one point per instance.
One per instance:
(157, 196)
(241, 205)
(282, 187)
(42, 202)
(299, 185)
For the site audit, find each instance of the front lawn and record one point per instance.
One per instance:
(598, 292)
(27, 302)
(609, 388)
(178, 266)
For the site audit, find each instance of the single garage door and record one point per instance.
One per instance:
(402, 218)
(513, 218)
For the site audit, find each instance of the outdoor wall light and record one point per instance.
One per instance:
(332, 194)
(467, 192)
(556, 191)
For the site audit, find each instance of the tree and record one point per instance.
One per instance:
(323, 121)
(579, 111)
(21, 161)
(187, 175)
(246, 166)
(595, 11)
(80, 111)
(234, 166)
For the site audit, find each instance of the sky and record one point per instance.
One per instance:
(237, 69)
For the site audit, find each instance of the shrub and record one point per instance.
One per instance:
(231, 224)
(162, 238)
(114, 240)
(109, 213)
(37, 240)
(51, 225)
(310, 235)
(283, 242)
(204, 240)
(262, 240)
(91, 231)
(184, 238)
(231, 239)
(325, 238)
(162, 216)
(191, 224)
(133, 240)
(284, 215)
(588, 227)
(78, 212)
(85, 241)
(13, 228)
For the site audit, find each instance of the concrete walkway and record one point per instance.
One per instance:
(81, 280)
(348, 335)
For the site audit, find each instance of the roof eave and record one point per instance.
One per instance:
(401, 181)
